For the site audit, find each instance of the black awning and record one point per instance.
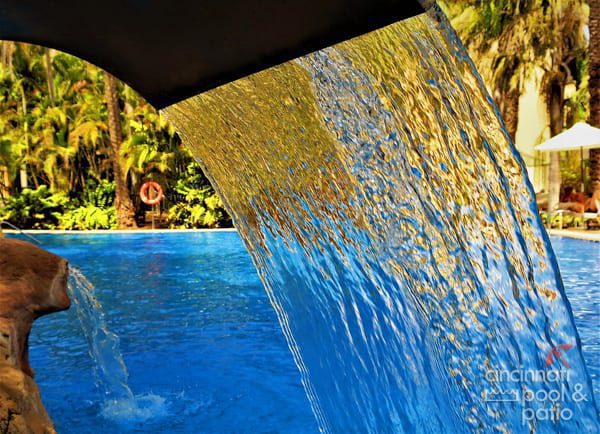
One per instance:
(171, 50)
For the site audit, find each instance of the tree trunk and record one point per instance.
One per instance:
(5, 54)
(5, 189)
(7, 49)
(23, 169)
(594, 86)
(23, 177)
(555, 108)
(50, 77)
(510, 112)
(124, 206)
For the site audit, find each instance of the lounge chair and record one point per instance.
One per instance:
(592, 219)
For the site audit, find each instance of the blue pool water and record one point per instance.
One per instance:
(198, 332)
(579, 263)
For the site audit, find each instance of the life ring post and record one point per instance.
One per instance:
(152, 194)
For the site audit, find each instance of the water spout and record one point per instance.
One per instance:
(111, 371)
(392, 223)
(119, 403)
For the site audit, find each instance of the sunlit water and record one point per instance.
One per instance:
(392, 224)
(103, 344)
(196, 328)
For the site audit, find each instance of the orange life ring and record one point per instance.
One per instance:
(146, 189)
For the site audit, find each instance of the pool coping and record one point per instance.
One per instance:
(579, 235)
(114, 231)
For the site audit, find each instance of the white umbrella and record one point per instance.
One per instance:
(579, 137)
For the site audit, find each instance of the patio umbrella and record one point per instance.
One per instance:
(581, 136)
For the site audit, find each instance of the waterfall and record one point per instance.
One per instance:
(110, 370)
(392, 223)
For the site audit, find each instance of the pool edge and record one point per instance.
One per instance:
(585, 236)
(116, 231)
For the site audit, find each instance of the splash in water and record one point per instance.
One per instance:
(110, 369)
(392, 223)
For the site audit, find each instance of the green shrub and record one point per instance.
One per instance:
(34, 209)
(188, 216)
(201, 208)
(97, 210)
(89, 217)
(100, 194)
(568, 220)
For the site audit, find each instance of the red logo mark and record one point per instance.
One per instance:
(556, 354)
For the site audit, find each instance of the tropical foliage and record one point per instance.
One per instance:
(511, 41)
(68, 129)
(594, 86)
(201, 207)
(55, 146)
(35, 209)
(515, 41)
(97, 210)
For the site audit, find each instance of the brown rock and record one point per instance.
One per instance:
(33, 283)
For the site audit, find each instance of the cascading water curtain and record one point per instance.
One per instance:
(392, 223)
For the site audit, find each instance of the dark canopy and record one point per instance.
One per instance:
(169, 50)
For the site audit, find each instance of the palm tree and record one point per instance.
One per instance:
(509, 40)
(60, 126)
(50, 76)
(494, 32)
(6, 164)
(564, 34)
(6, 54)
(123, 204)
(594, 65)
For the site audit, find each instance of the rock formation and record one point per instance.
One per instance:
(33, 283)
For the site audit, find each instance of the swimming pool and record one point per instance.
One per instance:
(579, 263)
(198, 332)
(196, 329)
